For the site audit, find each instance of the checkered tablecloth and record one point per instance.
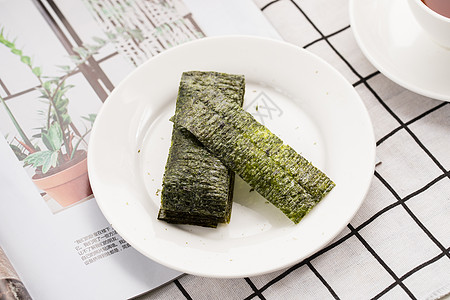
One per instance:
(397, 246)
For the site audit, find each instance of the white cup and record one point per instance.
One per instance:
(436, 25)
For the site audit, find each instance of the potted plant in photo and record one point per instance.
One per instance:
(54, 151)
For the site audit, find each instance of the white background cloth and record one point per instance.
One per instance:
(397, 246)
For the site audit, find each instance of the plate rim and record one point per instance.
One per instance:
(249, 273)
(385, 69)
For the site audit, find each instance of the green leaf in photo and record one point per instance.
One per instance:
(61, 103)
(75, 59)
(26, 60)
(51, 162)
(53, 138)
(8, 44)
(64, 88)
(37, 71)
(99, 40)
(16, 51)
(81, 51)
(90, 118)
(47, 85)
(66, 119)
(64, 68)
(45, 159)
(92, 48)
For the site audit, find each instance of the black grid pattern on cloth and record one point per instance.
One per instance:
(402, 202)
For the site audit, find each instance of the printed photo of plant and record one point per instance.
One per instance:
(54, 149)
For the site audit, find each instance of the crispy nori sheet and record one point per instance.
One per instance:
(197, 187)
(274, 169)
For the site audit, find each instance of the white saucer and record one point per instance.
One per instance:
(395, 44)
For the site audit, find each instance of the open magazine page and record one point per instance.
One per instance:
(57, 68)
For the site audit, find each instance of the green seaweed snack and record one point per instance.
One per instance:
(197, 186)
(273, 169)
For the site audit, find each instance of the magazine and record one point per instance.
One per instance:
(54, 77)
(57, 67)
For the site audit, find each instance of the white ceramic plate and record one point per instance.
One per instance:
(394, 43)
(296, 94)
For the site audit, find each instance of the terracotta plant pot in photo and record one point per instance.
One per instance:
(69, 184)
